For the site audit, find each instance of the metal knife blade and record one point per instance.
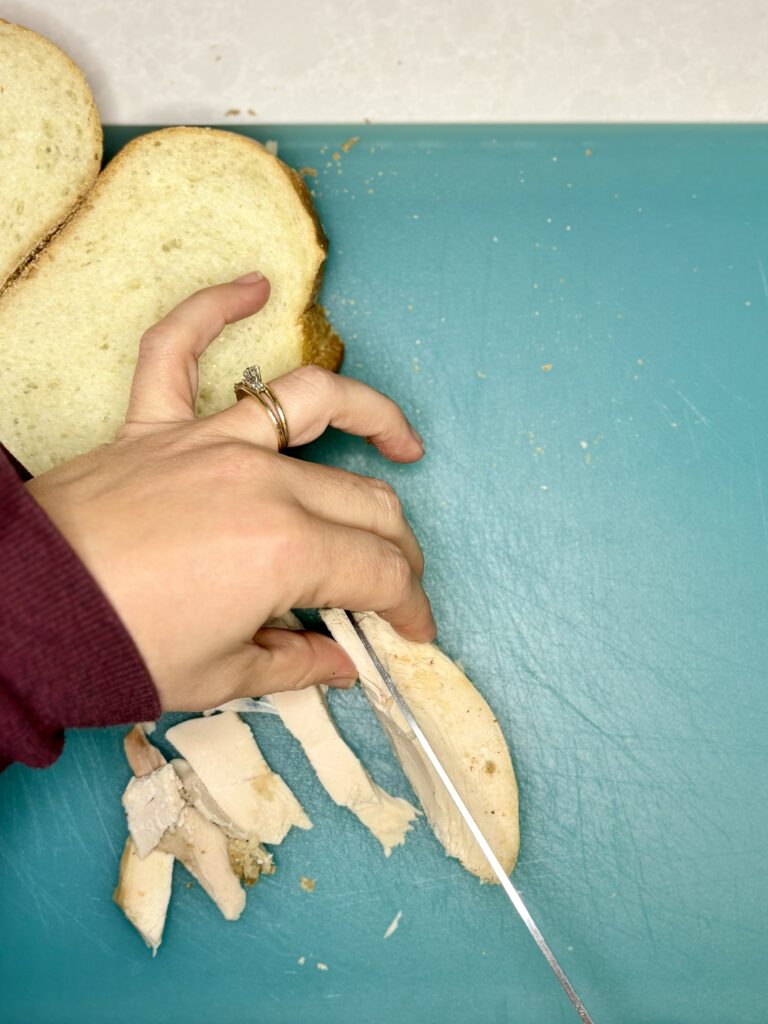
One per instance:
(474, 828)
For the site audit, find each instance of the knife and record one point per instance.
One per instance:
(474, 828)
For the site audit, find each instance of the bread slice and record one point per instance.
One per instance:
(50, 142)
(176, 210)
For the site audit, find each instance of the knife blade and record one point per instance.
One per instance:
(514, 896)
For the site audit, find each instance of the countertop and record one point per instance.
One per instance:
(499, 60)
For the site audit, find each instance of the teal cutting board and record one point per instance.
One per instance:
(577, 321)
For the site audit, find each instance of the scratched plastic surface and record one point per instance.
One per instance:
(577, 321)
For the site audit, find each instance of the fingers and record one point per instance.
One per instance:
(351, 500)
(285, 659)
(313, 399)
(349, 568)
(165, 382)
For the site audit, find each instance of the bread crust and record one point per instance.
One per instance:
(96, 136)
(321, 343)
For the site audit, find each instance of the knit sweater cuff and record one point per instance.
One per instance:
(66, 660)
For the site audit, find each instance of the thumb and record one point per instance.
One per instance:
(287, 659)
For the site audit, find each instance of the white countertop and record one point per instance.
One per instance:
(150, 61)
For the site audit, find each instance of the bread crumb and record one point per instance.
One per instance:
(480, 375)
(587, 152)
(546, 367)
(232, 112)
(301, 961)
(307, 884)
(321, 967)
(336, 155)
(346, 146)
(394, 925)
(308, 172)
(584, 444)
(251, 111)
(640, 362)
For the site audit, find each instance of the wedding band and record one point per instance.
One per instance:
(252, 384)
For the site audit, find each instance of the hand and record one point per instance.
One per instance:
(199, 532)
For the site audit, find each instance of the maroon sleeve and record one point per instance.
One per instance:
(66, 660)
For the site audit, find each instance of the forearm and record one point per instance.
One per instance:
(66, 659)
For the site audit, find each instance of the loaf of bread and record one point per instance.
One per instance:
(50, 142)
(176, 210)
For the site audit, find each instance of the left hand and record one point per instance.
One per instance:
(199, 531)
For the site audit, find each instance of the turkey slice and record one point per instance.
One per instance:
(459, 725)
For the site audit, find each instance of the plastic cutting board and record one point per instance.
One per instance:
(577, 321)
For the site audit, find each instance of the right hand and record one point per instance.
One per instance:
(199, 532)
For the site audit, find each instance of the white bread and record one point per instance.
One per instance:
(50, 142)
(176, 210)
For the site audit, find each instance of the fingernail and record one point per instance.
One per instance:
(341, 683)
(251, 278)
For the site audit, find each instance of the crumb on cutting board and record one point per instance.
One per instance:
(301, 961)
(546, 367)
(394, 925)
(321, 967)
(307, 884)
(346, 146)
(308, 172)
